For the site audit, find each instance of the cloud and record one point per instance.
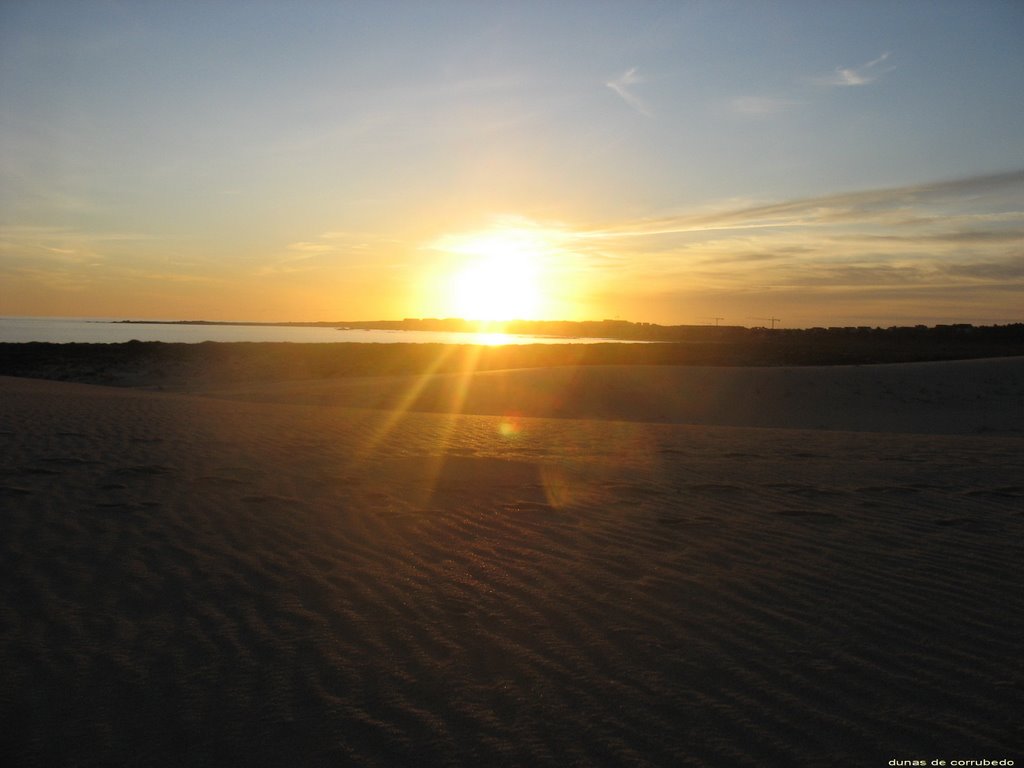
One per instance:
(329, 249)
(1008, 269)
(764, 106)
(949, 248)
(306, 248)
(851, 76)
(622, 85)
(51, 244)
(64, 259)
(888, 205)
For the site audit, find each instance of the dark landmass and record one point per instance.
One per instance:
(157, 363)
(630, 331)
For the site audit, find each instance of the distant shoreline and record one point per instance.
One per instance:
(357, 325)
(632, 331)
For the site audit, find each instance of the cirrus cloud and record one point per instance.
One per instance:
(622, 86)
(854, 76)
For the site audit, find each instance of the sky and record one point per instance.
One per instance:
(839, 163)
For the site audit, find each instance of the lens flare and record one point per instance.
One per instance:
(510, 426)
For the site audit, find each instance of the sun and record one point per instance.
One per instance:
(500, 275)
(499, 285)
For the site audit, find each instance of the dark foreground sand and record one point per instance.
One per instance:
(267, 577)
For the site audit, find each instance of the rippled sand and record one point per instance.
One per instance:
(197, 580)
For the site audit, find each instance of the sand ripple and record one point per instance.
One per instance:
(200, 582)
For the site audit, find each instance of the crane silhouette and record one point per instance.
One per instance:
(772, 320)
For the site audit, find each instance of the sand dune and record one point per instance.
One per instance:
(958, 397)
(193, 580)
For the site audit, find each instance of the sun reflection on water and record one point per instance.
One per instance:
(491, 339)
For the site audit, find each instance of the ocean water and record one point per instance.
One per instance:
(61, 330)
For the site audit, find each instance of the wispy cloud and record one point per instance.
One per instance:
(948, 247)
(851, 76)
(891, 206)
(65, 259)
(306, 248)
(329, 249)
(758, 106)
(62, 244)
(1008, 269)
(622, 86)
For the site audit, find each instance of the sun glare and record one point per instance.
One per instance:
(500, 275)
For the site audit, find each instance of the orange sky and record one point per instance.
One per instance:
(670, 164)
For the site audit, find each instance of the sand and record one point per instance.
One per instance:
(703, 567)
(950, 397)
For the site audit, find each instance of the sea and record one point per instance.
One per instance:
(66, 330)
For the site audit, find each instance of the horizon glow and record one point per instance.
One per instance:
(827, 164)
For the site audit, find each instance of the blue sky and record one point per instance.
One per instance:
(827, 163)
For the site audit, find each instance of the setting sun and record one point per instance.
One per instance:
(499, 275)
